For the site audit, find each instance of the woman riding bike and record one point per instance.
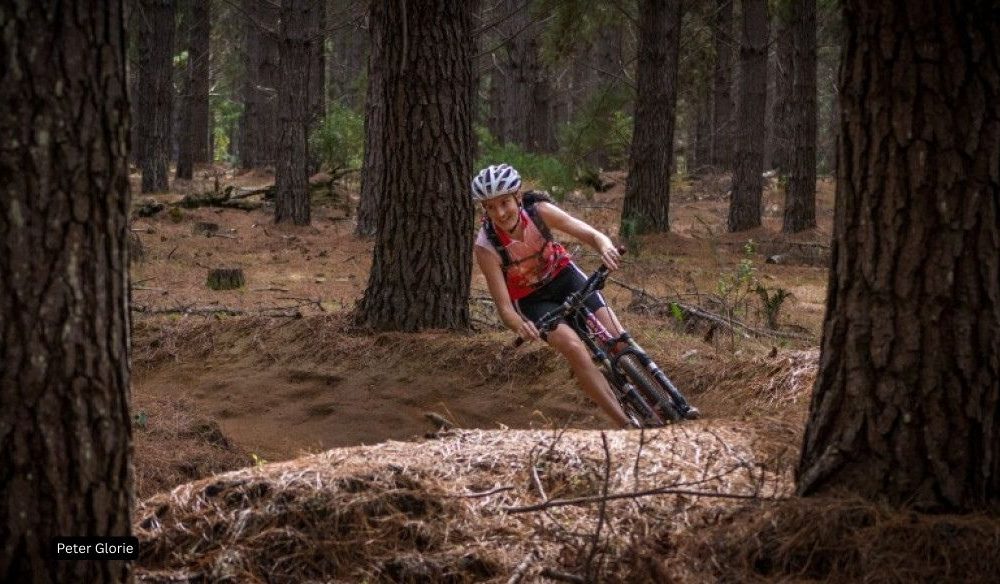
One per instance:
(530, 274)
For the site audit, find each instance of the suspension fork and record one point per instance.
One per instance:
(653, 368)
(588, 322)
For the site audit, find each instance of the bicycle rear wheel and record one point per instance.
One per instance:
(648, 386)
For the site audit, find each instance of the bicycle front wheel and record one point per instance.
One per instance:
(648, 386)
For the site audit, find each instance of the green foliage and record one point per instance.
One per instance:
(572, 24)
(546, 171)
(631, 228)
(771, 303)
(175, 214)
(225, 118)
(339, 140)
(677, 312)
(601, 124)
(141, 418)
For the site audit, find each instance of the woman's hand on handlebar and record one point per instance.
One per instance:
(528, 332)
(611, 254)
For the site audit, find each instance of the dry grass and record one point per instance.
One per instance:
(174, 444)
(826, 540)
(441, 511)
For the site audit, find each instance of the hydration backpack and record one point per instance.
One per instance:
(528, 201)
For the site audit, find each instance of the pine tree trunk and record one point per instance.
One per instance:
(422, 262)
(185, 156)
(647, 194)
(782, 113)
(373, 167)
(800, 201)
(745, 205)
(524, 115)
(907, 399)
(722, 84)
(199, 57)
(260, 113)
(156, 91)
(299, 34)
(65, 435)
(348, 56)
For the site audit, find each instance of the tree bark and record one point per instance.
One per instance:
(745, 205)
(346, 63)
(156, 91)
(422, 261)
(525, 103)
(907, 398)
(299, 34)
(722, 83)
(198, 57)
(647, 194)
(185, 156)
(260, 113)
(373, 166)
(780, 131)
(65, 435)
(800, 199)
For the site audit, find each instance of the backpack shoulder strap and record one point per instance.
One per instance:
(491, 235)
(530, 199)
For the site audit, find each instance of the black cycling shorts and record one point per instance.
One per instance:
(550, 296)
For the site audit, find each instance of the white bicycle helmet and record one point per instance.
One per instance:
(494, 181)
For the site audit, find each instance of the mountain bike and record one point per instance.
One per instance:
(644, 391)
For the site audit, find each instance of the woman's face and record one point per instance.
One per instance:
(504, 211)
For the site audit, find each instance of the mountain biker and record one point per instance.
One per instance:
(538, 274)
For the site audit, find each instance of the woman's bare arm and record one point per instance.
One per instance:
(489, 265)
(560, 220)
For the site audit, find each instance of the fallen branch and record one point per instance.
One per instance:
(562, 576)
(635, 495)
(484, 494)
(522, 567)
(283, 311)
(745, 330)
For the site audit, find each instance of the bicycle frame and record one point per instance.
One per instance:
(602, 346)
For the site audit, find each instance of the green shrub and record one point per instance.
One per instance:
(545, 171)
(339, 140)
(225, 118)
(600, 125)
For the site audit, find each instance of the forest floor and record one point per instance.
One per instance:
(369, 490)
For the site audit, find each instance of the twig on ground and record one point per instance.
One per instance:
(522, 567)
(277, 311)
(595, 542)
(635, 494)
(169, 255)
(534, 477)
(269, 289)
(562, 576)
(485, 493)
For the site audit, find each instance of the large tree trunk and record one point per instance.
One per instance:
(65, 435)
(745, 204)
(182, 113)
(299, 34)
(722, 84)
(523, 117)
(423, 254)
(348, 52)
(260, 90)
(907, 399)
(198, 57)
(647, 194)
(800, 200)
(156, 91)
(373, 166)
(781, 118)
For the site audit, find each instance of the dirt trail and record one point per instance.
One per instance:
(280, 387)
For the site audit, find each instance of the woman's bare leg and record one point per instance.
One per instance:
(590, 378)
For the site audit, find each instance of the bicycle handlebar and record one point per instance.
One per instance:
(573, 302)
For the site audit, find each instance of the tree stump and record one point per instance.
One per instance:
(225, 279)
(204, 228)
